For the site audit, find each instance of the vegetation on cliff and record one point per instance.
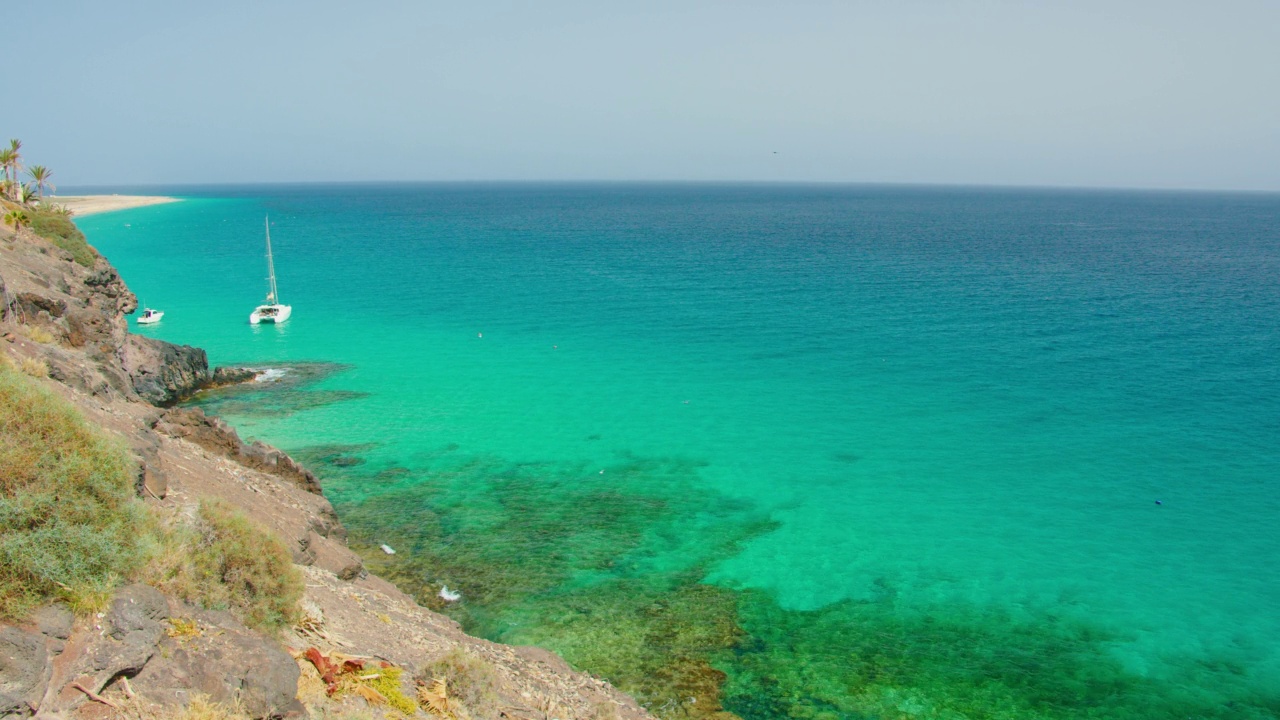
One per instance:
(70, 524)
(22, 205)
(223, 561)
(73, 529)
(53, 223)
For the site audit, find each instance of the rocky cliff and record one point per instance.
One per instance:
(149, 653)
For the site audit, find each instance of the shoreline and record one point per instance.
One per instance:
(123, 385)
(82, 205)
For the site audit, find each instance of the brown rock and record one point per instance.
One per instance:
(332, 556)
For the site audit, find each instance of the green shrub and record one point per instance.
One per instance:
(57, 228)
(70, 525)
(225, 562)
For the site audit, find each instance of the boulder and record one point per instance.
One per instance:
(120, 645)
(231, 376)
(330, 555)
(228, 663)
(163, 373)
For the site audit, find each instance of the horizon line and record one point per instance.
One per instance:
(797, 183)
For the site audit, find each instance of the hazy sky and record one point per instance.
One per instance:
(1146, 94)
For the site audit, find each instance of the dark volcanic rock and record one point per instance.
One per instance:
(231, 376)
(130, 637)
(216, 436)
(24, 671)
(107, 284)
(137, 609)
(54, 621)
(163, 373)
(228, 663)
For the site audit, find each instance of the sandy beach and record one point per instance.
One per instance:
(93, 204)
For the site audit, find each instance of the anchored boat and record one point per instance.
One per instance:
(149, 316)
(272, 311)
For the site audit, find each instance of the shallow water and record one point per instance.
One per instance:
(819, 451)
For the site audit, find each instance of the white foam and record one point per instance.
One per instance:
(270, 375)
(449, 596)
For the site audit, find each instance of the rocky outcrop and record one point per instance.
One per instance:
(163, 373)
(216, 436)
(224, 376)
(120, 646)
(53, 666)
(261, 677)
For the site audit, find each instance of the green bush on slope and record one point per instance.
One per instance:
(72, 528)
(57, 228)
(70, 525)
(225, 562)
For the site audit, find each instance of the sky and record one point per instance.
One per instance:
(1172, 94)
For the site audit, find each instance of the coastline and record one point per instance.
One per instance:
(81, 205)
(774, 639)
(64, 339)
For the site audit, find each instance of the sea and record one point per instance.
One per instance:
(779, 451)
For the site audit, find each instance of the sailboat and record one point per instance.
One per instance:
(272, 311)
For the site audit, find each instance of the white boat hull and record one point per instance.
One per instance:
(150, 317)
(270, 314)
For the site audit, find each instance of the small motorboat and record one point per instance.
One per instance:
(150, 316)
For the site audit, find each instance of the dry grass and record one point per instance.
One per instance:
(470, 681)
(225, 562)
(70, 526)
(38, 334)
(200, 707)
(34, 367)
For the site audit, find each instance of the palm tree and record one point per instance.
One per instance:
(40, 176)
(7, 159)
(15, 146)
(16, 218)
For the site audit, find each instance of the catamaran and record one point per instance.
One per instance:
(272, 311)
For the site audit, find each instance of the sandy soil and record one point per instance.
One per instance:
(92, 204)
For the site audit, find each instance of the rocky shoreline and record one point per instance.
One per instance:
(128, 661)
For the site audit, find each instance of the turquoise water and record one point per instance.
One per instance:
(801, 451)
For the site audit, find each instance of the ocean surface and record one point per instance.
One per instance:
(793, 451)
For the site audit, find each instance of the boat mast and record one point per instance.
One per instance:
(273, 296)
